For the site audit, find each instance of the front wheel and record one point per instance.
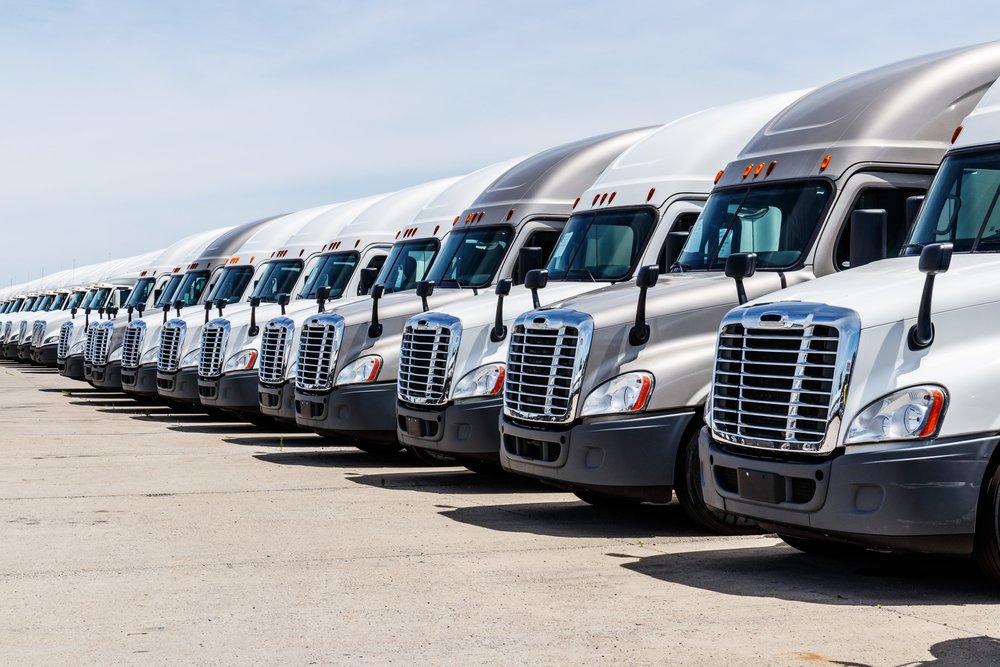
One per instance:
(687, 478)
(987, 548)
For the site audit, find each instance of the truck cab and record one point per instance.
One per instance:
(184, 292)
(889, 440)
(334, 250)
(825, 185)
(641, 206)
(348, 388)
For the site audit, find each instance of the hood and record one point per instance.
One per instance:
(889, 290)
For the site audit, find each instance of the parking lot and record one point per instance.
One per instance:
(140, 534)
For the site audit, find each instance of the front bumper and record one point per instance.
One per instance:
(108, 376)
(73, 367)
(10, 351)
(232, 391)
(44, 355)
(277, 402)
(919, 497)
(180, 386)
(629, 457)
(466, 429)
(24, 352)
(362, 411)
(140, 381)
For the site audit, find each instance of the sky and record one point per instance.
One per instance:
(128, 125)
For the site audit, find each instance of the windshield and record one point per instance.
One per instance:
(140, 292)
(333, 271)
(278, 278)
(187, 293)
(961, 207)
(601, 245)
(42, 304)
(166, 293)
(59, 301)
(74, 301)
(775, 221)
(17, 306)
(407, 264)
(470, 257)
(232, 284)
(97, 298)
(29, 304)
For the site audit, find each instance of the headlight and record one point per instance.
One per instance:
(484, 381)
(191, 358)
(361, 370)
(907, 414)
(625, 393)
(77, 347)
(149, 356)
(242, 361)
(115, 355)
(54, 338)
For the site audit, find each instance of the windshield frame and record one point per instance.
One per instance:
(136, 291)
(807, 248)
(205, 273)
(265, 267)
(390, 260)
(439, 258)
(239, 270)
(641, 252)
(304, 292)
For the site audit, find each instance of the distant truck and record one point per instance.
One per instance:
(348, 388)
(636, 213)
(606, 393)
(861, 410)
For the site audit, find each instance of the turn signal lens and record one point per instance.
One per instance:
(909, 414)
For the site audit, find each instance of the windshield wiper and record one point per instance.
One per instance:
(678, 265)
(582, 270)
(992, 241)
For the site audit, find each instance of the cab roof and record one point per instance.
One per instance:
(178, 254)
(902, 113)
(982, 126)
(324, 230)
(273, 234)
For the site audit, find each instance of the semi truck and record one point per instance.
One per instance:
(612, 412)
(415, 243)
(103, 349)
(341, 252)
(635, 214)
(185, 292)
(859, 411)
(347, 388)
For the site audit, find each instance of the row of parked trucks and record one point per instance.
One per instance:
(787, 339)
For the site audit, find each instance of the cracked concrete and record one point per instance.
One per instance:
(138, 534)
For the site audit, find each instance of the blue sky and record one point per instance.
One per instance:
(130, 124)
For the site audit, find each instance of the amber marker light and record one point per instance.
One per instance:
(958, 131)
(825, 163)
(770, 167)
(718, 177)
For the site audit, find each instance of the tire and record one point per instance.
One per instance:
(603, 500)
(379, 448)
(820, 547)
(431, 458)
(687, 486)
(987, 546)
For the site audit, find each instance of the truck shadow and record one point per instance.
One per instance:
(452, 481)
(577, 519)
(339, 456)
(292, 439)
(865, 579)
(964, 651)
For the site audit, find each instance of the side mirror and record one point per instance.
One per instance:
(868, 232)
(368, 277)
(283, 300)
(221, 305)
(535, 280)
(86, 318)
(646, 278)
(208, 311)
(166, 311)
(178, 304)
(529, 258)
(375, 328)
(73, 312)
(112, 312)
(913, 205)
(672, 248)
(934, 259)
(424, 289)
(322, 294)
(141, 308)
(129, 310)
(739, 266)
(499, 331)
(254, 305)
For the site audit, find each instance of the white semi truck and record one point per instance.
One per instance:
(860, 410)
(335, 249)
(347, 388)
(415, 243)
(636, 213)
(606, 392)
(103, 349)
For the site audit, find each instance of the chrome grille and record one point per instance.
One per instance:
(88, 346)
(38, 333)
(319, 344)
(65, 334)
(6, 330)
(22, 331)
(427, 358)
(171, 338)
(779, 379)
(274, 344)
(132, 344)
(545, 363)
(213, 348)
(101, 340)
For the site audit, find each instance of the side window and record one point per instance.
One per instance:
(375, 263)
(543, 238)
(894, 202)
(683, 224)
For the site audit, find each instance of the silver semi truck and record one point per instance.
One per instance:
(606, 394)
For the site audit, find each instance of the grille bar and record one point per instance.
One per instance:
(274, 345)
(214, 337)
(100, 344)
(132, 344)
(319, 345)
(65, 334)
(427, 358)
(171, 338)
